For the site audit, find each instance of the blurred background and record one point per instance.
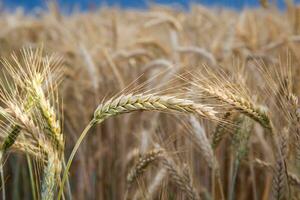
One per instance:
(141, 4)
(109, 49)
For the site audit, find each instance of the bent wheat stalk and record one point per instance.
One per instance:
(130, 103)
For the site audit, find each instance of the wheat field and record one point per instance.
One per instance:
(160, 103)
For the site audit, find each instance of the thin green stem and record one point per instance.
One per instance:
(2, 176)
(32, 182)
(233, 180)
(78, 143)
(67, 181)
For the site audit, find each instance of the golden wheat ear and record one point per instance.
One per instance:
(131, 102)
(180, 178)
(29, 92)
(34, 77)
(142, 163)
(227, 93)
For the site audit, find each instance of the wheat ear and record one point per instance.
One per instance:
(202, 142)
(48, 113)
(10, 138)
(280, 178)
(52, 168)
(294, 123)
(208, 153)
(51, 172)
(156, 183)
(9, 141)
(240, 143)
(15, 129)
(293, 178)
(220, 131)
(130, 103)
(241, 104)
(142, 163)
(179, 178)
(26, 123)
(6, 144)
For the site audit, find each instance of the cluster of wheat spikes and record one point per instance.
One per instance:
(152, 104)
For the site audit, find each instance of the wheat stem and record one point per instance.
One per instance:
(32, 181)
(75, 148)
(2, 176)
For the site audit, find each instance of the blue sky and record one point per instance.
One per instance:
(85, 4)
